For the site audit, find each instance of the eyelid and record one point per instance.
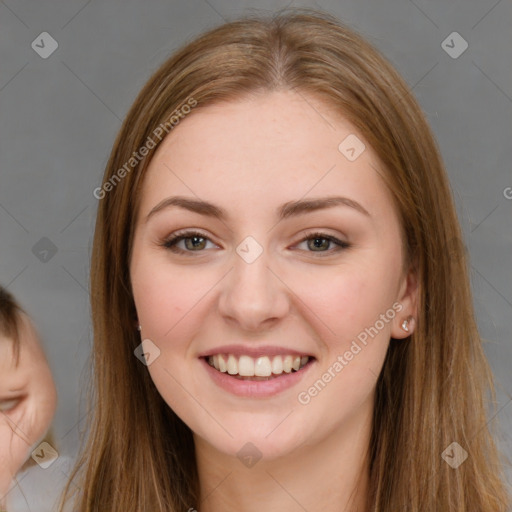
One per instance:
(319, 233)
(339, 243)
(9, 404)
(179, 235)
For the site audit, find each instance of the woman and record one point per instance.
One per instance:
(277, 323)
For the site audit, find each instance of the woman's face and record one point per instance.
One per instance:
(269, 276)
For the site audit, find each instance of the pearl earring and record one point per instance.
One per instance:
(405, 325)
(139, 328)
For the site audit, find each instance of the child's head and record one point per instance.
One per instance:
(27, 390)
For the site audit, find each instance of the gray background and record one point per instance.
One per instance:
(60, 115)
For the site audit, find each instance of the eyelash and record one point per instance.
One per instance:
(171, 242)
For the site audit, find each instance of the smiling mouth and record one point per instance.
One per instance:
(257, 368)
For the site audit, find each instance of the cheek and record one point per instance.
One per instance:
(355, 341)
(46, 394)
(14, 447)
(164, 296)
(345, 302)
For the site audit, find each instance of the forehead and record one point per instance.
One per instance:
(261, 150)
(7, 358)
(14, 378)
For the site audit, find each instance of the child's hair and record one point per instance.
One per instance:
(431, 391)
(10, 320)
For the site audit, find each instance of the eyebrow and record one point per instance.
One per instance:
(288, 209)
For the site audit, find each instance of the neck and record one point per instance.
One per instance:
(330, 475)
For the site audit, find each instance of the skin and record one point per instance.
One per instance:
(27, 402)
(249, 157)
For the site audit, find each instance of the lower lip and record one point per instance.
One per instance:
(253, 388)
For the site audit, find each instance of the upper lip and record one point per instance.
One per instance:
(264, 350)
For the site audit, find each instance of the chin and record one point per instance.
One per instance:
(266, 439)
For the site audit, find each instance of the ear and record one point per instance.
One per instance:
(408, 298)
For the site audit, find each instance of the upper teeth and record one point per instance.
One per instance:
(247, 366)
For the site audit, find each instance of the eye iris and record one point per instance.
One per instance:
(195, 242)
(318, 243)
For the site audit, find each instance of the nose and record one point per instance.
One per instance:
(253, 297)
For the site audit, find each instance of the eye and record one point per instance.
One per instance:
(193, 241)
(8, 405)
(321, 242)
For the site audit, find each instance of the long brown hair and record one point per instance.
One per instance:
(139, 456)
